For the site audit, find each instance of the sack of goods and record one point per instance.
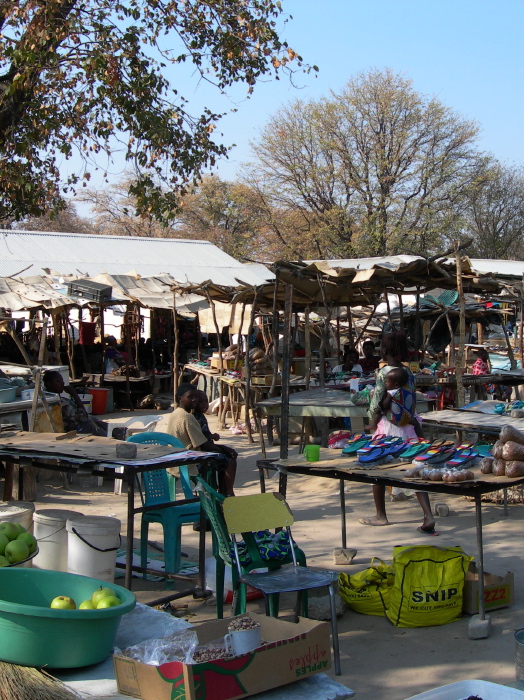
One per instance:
(423, 587)
(368, 591)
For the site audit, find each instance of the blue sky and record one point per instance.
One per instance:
(468, 53)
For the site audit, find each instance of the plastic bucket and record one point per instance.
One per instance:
(519, 655)
(92, 544)
(99, 400)
(50, 531)
(87, 402)
(17, 512)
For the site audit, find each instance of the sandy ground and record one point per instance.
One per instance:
(378, 660)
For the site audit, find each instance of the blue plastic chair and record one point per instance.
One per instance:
(158, 489)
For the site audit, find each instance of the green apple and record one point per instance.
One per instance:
(16, 551)
(3, 543)
(86, 605)
(62, 602)
(4, 561)
(101, 593)
(21, 528)
(10, 530)
(29, 540)
(109, 601)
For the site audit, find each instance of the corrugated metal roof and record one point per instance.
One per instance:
(503, 268)
(73, 253)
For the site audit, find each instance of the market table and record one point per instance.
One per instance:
(472, 421)
(93, 454)
(332, 465)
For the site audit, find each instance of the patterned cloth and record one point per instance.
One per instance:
(480, 367)
(402, 408)
(272, 546)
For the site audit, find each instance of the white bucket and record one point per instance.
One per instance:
(18, 512)
(92, 544)
(87, 402)
(50, 531)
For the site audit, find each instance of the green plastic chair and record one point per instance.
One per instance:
(223, 548)
(157, 490)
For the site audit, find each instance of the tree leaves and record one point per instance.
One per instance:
(90, 76)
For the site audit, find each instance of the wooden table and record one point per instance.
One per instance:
(94, 454)
(456, 419)
(319, 403)
(333, 465)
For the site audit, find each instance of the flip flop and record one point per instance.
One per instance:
(368, 521)
(462, 458)
(483, 448)
(431, 533)
(372, 454)
(415, 450)
(438, 456)
(352, 448)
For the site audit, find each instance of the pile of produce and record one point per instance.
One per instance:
(508, 454)
(101, 599)
(16, 544)
(445, 474)
(260, 363)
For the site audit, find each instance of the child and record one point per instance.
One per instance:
(398, 404)
(199, 413)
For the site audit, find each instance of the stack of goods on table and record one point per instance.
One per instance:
(507, 457)
(229, 360)
(261, 367)
(439, 460)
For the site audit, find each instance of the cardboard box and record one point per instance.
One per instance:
(227, 364)
(498, 591)
(293, 651)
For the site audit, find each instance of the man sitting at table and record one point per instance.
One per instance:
(369, 362)
(183, 425)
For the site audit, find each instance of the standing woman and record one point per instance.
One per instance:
(394, 351)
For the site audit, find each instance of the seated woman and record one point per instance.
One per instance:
(183, 425)
(350, 364)
(74, 414)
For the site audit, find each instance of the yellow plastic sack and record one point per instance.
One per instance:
(368, 591)
(428, 586)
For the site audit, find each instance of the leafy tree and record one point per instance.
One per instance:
(494, 216)
(114, 213)
(67, 220)
(376, 169)
(90, 76)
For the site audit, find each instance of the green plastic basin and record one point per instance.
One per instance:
(33, 634)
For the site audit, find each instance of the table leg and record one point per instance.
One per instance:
(480, 556)
(343, 513)
(130, 525)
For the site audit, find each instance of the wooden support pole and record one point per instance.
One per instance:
(274, 333)
(459, 371)
(127, 336)
(247, 393)
(102, 344)
(401, 312)
(87, 367)
(338, 338)
(368, 321)
(239, 343)
(221, 412)
(286, 361)
(175, 350)
(56, 337)
(511, 355)
(350, 327)
(307, 343)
